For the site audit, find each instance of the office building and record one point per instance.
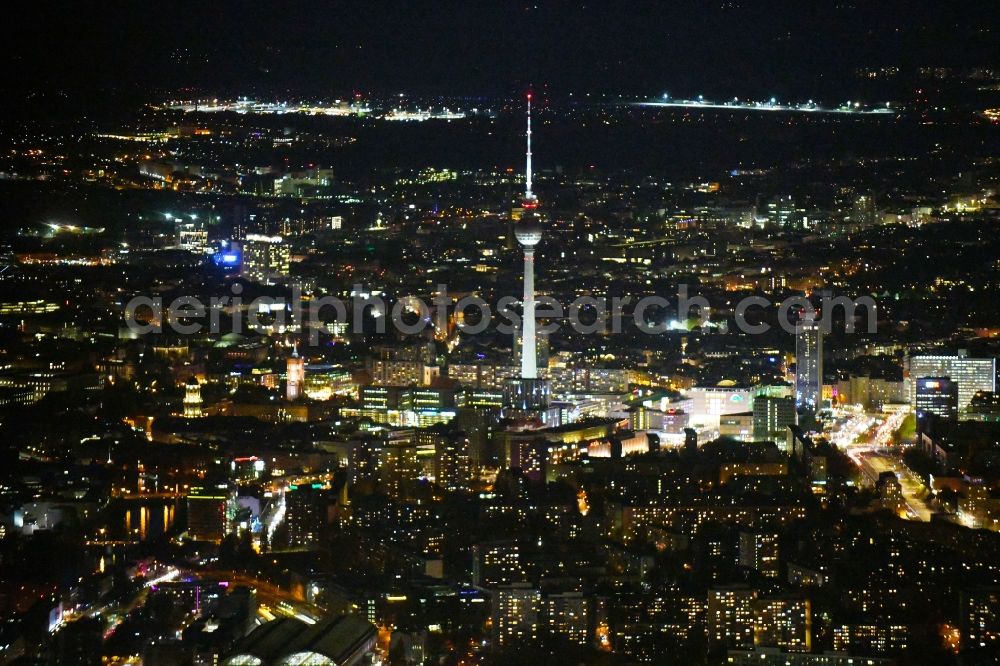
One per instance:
(809, 364)
(782, 211)
(938, 396)
(305, 514)
(209, 512)
(771, 417)
(985, 406)
(971, 374)
(265, 259)
(324, 381)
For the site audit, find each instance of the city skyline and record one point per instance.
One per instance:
(482, 334)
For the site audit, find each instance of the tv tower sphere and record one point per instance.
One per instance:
(528, 232)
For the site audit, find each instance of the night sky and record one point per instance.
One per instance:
(724, 47)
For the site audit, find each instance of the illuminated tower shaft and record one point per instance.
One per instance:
(529, 357)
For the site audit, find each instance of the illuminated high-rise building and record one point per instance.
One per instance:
(782, 211)
(758, 551)
(980, 613)
(871, 638)
(398, 468)
(452, 462)
(783, 622)
(771, 417)
(938, 396)
(730, 616)
(305, 514)
(971, 374)
(809, 364)
(496, 563)
(567, 616)
(209, 513)
(516, 611)
(265, 258)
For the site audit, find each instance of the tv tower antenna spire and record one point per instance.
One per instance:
(528, 194)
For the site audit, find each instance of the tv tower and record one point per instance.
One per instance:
(528, 233)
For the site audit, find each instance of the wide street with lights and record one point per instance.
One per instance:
(868, 440)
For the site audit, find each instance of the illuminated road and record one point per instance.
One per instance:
(851, 425)
(867, 440)
(115, 612)
(275, 513)
(274, 601)
(873, 463)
